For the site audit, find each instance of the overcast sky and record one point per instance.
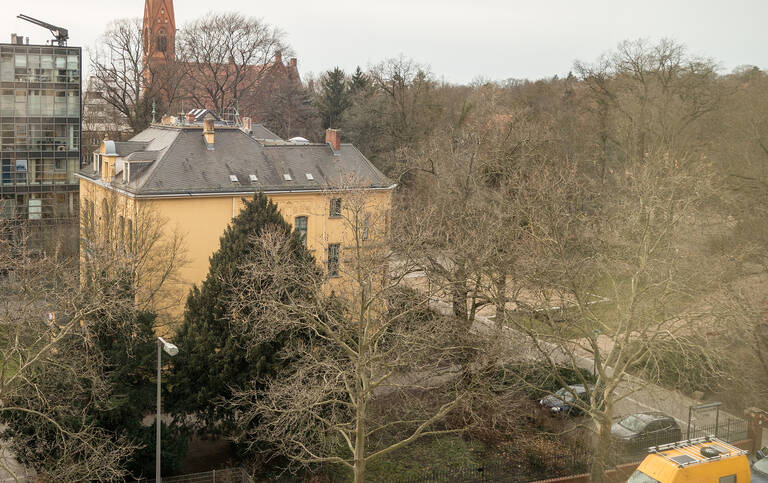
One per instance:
(459, 40)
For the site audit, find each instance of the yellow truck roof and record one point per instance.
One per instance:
(697, 460)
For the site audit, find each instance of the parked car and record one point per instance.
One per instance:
(564, 401)
(760, 467)
(638, 431)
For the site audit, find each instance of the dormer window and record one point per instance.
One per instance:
(310, 177)
(253, 178)
(287, 177)
(233, 178)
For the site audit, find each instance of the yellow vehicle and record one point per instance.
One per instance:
(701, 460)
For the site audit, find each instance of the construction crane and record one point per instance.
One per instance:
(61, 34)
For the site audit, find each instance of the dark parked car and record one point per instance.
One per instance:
(564, 402)
(760, 467)
(637, 432)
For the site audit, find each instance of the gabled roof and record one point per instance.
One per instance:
(181, 164)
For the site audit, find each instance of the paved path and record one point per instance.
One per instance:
(636, 394)
(19, 472)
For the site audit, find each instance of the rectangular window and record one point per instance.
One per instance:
(60, 104)
(6, 67)
(21, 103)
(6, 102)
(366, 226)
(300, 225)
(335, 208)
(5, 171)
(728, 479)
(333, 259)
(73, 104)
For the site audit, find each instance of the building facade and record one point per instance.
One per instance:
(254, 81)
(40, 127)
(196, 177)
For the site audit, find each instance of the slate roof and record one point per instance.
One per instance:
(183, 165)
(124, 148)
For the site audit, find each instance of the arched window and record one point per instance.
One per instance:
(162, 41)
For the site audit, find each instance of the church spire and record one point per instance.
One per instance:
(159, 31)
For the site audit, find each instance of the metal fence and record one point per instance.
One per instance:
(229, 475)
(524, 468)
(728, 429)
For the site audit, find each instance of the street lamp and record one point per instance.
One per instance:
(171, 350)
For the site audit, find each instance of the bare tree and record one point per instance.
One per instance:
(50, 374)
(462, 213)
(369, 373)
(646, 96)
(129, 83)
(288, 111)
(127, 243)
(616, 285)
(228, 55)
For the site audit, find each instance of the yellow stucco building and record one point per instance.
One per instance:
(195, 176)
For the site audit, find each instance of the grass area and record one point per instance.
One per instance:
(413, 460)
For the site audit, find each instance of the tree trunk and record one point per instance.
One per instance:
(359, 467)
(602, 457)
(501, 299)
(459, 297)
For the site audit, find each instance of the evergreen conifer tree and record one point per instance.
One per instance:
(333, 98)
(213, 355)
(359, 82)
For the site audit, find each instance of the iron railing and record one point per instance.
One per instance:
(229, 475)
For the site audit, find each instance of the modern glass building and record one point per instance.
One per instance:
(40, 126)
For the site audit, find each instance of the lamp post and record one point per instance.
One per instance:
(171, 350)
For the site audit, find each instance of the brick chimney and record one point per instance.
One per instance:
(333, 137)
(208, 132)
(247, 124)
(292, 62)
(190, 118)
(278, 57)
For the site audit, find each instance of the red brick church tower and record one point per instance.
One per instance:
(159, 31)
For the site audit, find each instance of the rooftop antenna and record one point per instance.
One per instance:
(61, 34)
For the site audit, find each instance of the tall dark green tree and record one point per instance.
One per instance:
(130, 352)
(333, 97)
(359, 82)
(215, 354)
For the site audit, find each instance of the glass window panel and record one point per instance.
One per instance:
(61, 62)
(46, 61)
(60, 104)
(6, 68)
(21, 60)
(300, 225)
(34, 103)
(20, 103)
(6, 103)
(46, 103)
(73, 104)
(33, 61)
